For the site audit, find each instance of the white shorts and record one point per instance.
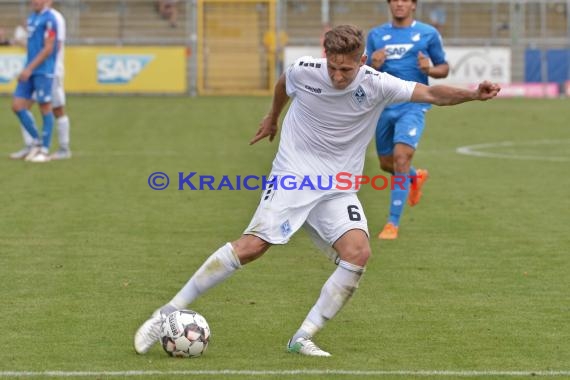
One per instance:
(325, 215)
(57, 93)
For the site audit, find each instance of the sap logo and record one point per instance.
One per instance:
(397, 51)
(10, 66)
(120, 68)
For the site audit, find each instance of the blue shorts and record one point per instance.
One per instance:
(39, 84)
(403, 124)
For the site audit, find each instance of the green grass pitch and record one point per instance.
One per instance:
(479, 279)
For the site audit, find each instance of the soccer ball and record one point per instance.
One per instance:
(185, 334)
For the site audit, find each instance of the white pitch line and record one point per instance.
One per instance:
(475, 150)
(307, 372)
(140, 153)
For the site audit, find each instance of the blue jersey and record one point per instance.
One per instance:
(40, 26)
(402, 46)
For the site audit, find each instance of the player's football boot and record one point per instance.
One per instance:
(415, 194)
(149, 333)
(34, 150)
(61, 154)
(41, 156)
(21, 154)
(306, 347)
(390, 232)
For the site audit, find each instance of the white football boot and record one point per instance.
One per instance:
(306, 347)
(61, 154)
(41, 156)
(21, 154)
(149, 333)
(34, 150)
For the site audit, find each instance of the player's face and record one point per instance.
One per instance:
(343, 68)
(402, 9)
(38, 5)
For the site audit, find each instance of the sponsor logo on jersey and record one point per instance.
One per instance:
(397, 51)
(120, 68)
(316, 90)
(359, 95)
(310, 64)
(10, 66)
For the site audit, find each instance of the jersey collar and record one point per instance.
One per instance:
(397, 27)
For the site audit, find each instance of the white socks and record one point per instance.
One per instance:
(219, 266)
(63, 132)
(338, 289)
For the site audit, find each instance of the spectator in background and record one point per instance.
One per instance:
(437, 17)
(20, 36)
(4, 41)
(168, 9)
(19, 39)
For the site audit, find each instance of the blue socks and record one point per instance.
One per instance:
(27, 120)
(399, 194)
(48, 120)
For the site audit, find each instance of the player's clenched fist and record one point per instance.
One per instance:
(378, 58)
(487, 90)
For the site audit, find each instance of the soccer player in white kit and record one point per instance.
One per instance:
(336, 102)
(58, 99)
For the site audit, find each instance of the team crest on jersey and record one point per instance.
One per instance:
(416, 37)
(397, 51)
(359, 95)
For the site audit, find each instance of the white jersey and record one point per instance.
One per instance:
(59, 61)
(326, 131)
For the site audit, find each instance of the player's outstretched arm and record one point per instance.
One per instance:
(268, 125)
(443, 95)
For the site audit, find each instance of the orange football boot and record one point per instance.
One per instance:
(390, 232)
(415, 194)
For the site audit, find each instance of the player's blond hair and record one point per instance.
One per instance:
(344, 39)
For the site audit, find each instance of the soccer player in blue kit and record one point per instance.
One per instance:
(37, 77)
(404, 48)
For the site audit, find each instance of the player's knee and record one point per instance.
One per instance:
(249, 248)
(387, 164)
(58, 112)
(358, 254)
(402, 163)
(17, 107)
(385, 167)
